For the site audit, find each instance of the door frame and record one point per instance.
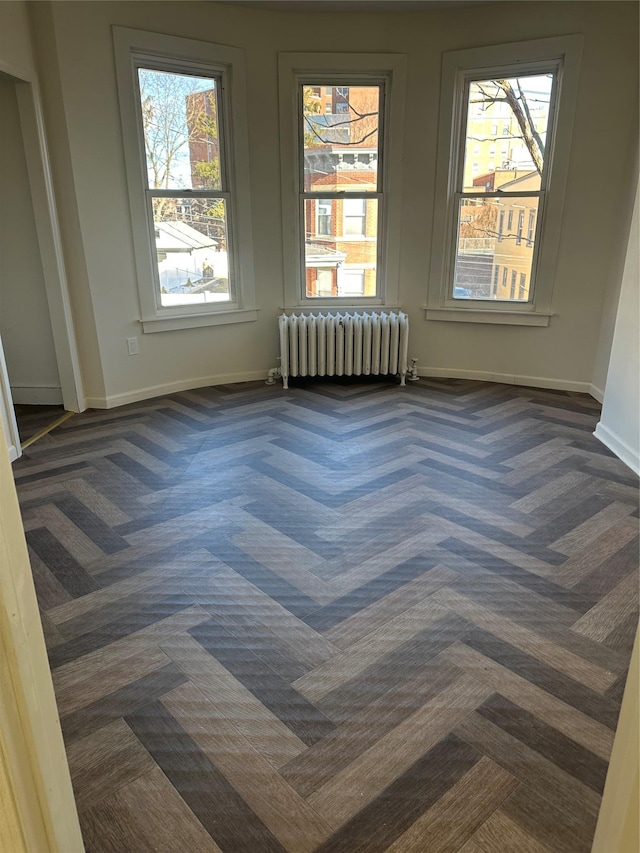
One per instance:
(49, 238)
(7, 413)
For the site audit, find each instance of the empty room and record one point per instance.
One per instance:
(319, 387)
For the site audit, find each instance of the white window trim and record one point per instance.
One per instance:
(565, 52)
(130, 46)
(293, 67)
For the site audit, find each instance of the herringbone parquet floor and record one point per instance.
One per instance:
(339, 618)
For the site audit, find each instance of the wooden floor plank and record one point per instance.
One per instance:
(345, 617)
(528, 641)
(445, 826)
(104, 761)
(378, 824)
(140, 817)
(359, 783)
(234, 702)
(530, 766)
(501, 833)
(298, 827)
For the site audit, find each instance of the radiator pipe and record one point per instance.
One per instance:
(273, 375)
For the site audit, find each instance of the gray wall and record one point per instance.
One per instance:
(25, 325)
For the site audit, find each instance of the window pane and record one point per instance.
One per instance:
(340, 238)
(340, 137)
(514, 115)
(191, 247)
(492, 257)
(180, 125)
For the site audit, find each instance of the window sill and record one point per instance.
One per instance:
(340, 307)
(195, 321)
(496, 317)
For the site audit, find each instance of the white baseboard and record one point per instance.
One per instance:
(113, 400)
(507, 378)
(31, 395)
(596, 393)
(616, 445)
(13, 453)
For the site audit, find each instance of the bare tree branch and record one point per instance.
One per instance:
(519, 106)
(526, 125)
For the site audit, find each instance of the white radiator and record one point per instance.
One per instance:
(343, 344)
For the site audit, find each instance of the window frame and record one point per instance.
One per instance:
(140, 49)
(342, 69)
(561, 55)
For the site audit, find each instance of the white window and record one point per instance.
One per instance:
(522, 291)
(351, 282)
(355, 216)
(324, 217)
(187, 179)
(534, 85)
(351, 162)
(512, 292)
(520, 227)
(324, 282)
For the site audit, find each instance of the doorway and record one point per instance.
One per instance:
(39, 370)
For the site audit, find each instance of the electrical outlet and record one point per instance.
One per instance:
(132, 346)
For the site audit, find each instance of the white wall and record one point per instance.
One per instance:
(15, 42)
(25, 324)
(619, 426)
(611, 296)
(76, 65)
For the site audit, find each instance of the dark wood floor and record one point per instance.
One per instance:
(339, 618)
(31, 419)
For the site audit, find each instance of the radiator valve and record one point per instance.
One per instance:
(413, 371)
(273, 375)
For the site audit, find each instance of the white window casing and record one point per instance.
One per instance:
(140, 49)
(342, 69)
(560, 56)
